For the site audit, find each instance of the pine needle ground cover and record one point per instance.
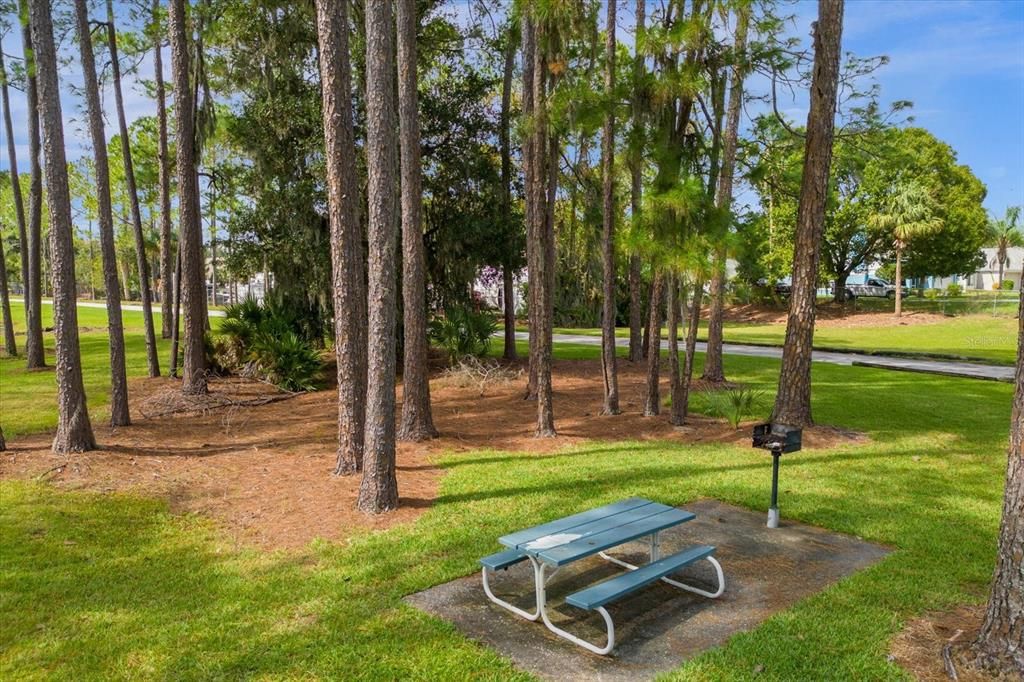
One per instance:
(115, 586)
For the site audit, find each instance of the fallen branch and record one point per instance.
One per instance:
(947, 656)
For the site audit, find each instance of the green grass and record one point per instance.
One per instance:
(27, 399)
(981, 337)
(113, 586)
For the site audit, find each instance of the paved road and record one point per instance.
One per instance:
(969, 370)
(124, 306)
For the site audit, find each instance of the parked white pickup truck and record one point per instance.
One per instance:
(874, 287)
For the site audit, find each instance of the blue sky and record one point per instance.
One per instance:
(960, 62)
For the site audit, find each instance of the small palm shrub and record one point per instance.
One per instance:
(734, 404)
(461, 332)
(261, 341)
(954, 290)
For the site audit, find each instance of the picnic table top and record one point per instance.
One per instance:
(569, 539)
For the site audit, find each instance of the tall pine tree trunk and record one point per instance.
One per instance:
(35, 356)
(508, 284)
(544, 185)
(190, 236)
(652, 405)
(1000, 643)
(417, 420)
(74, 431)
(530, 170)
(713, 369)
(152, 360)
(10, 347)
(12, 158)
(793, 400)
(167, 253)
(681, 408)
(672, 313)
(608, 313)
(636, 313)
(346, 233)
(378, 491)
(119, 415)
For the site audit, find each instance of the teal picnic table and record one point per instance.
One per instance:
(555, 544)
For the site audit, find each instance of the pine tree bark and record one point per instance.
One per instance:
(544, 187)
(608, 313)
(346, 233)
(190, 237)
(713, 368)
(793, 400)
(35, 355)
(119, 415)
(672, 313)
(12, 158)
(508, 284)
(417, 420)
(142, 263)
(681, 408)
(167, 253)
(10, 346)
(1000, 643)
(652, 406)
(74, 431)
(636, 314)
(3, 441)
(530, 171)
(378, 491)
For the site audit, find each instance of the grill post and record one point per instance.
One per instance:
(778, 439)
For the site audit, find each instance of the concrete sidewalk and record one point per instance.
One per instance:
(969, 370)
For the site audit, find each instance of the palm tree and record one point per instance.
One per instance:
(1003, 233)
(908, 213)
(74, 431)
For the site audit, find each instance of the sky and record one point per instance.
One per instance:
(960, 62)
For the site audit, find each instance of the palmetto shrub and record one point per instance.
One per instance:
(260, 341)
(460, 332)
(733, 404)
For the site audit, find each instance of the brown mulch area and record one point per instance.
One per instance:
(830, 315)
(918, 648)
(263, 471)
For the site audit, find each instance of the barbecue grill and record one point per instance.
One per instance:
(777, 439)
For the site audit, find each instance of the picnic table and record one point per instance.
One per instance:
(555, 544)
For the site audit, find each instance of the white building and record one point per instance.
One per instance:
(987, 277)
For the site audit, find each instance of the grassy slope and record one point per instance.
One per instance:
(977, 336)
(98, 586)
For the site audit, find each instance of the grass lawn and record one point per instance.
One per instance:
(982, 337)
(27, 399)
(114, 586)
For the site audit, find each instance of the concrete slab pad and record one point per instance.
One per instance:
(658, 627)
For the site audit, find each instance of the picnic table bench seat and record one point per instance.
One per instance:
(502, 560)
(626, 583)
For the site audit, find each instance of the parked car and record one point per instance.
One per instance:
(874, 287)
